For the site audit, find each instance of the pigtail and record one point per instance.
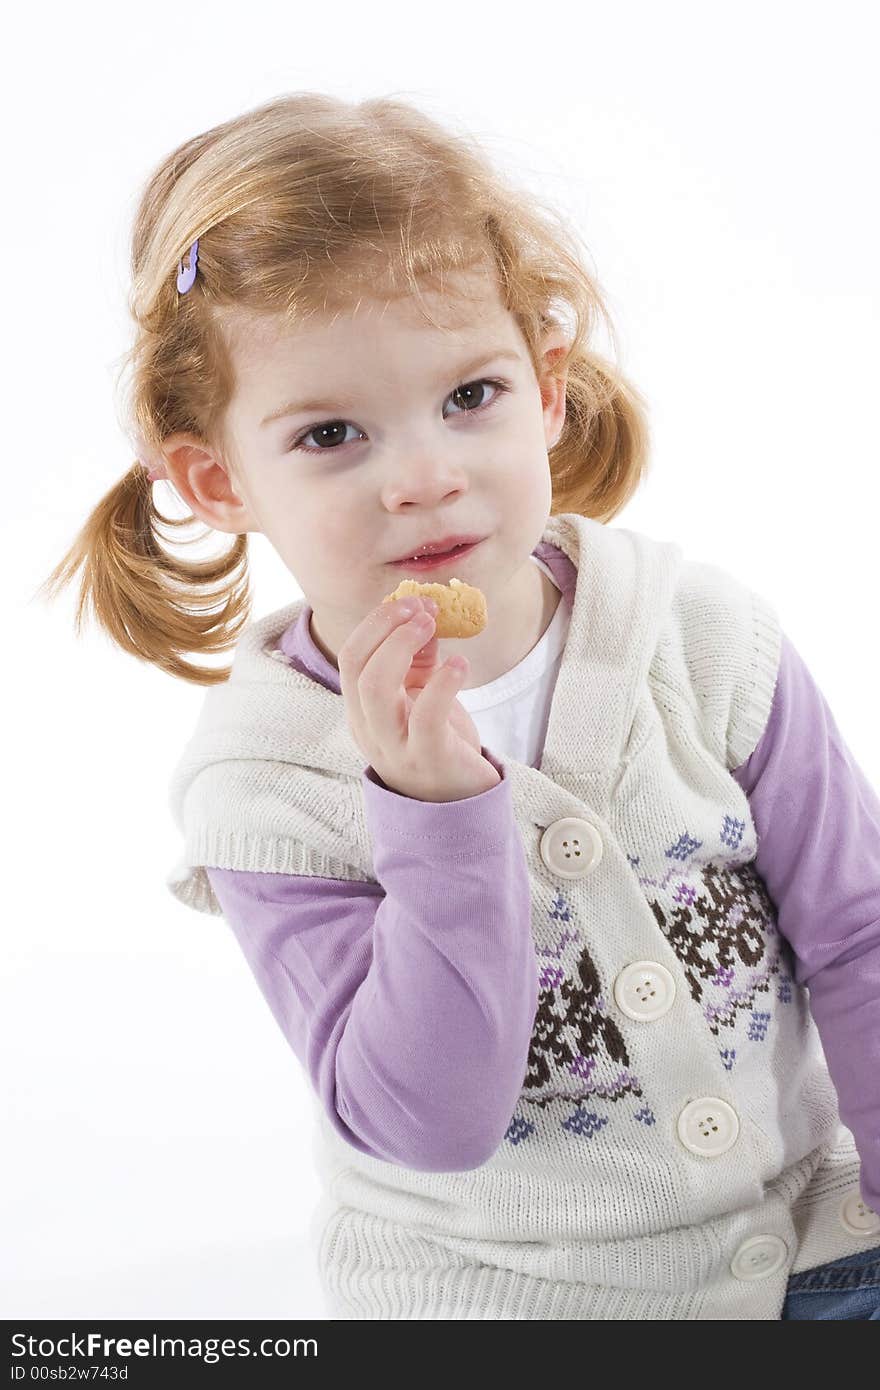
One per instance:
(601, 456)
(154, 604)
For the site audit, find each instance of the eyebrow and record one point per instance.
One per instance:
(298, 407)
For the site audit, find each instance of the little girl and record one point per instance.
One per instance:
(578, 940)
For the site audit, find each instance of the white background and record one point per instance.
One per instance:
(720, 164)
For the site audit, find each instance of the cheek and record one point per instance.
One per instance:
(335, 529)
(530, 477)
(529, 505)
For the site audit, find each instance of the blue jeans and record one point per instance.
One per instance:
(844, 1290)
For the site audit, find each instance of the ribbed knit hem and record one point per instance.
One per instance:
(264, 854)
(482, 1294)
(749, 716)
(372, 1267)
(376, 1270)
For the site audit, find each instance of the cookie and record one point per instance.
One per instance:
(461, 607)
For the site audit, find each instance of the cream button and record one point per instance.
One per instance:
(858, 1219)
(759, 1256)
(644, 990)
(708, 1126)
(571, 847)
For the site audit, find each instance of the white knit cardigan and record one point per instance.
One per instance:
(687, 1166)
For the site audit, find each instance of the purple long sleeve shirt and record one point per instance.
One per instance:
(358, 975)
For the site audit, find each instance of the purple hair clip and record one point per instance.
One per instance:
(187, 278)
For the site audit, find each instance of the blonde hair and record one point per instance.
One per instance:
(299, 206)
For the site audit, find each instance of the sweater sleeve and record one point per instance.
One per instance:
(818, 824)
(410, 1002)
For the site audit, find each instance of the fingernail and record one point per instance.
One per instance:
(431, 606)
(408, 606)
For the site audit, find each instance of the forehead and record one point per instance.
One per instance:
(466, 313)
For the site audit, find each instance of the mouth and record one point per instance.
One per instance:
(433, 562)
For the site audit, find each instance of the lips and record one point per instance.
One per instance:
(438, 560)
(441, 546)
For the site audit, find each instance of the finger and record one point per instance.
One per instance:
(366, 638)
(381, 683)
(431, 711)
(423, 664)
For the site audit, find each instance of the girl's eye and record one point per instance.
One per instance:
(329, 430)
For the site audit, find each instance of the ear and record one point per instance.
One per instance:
(553, 386)
(205, 485)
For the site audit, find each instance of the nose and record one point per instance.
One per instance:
(424, 480)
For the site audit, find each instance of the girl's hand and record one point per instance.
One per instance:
(402, 709)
